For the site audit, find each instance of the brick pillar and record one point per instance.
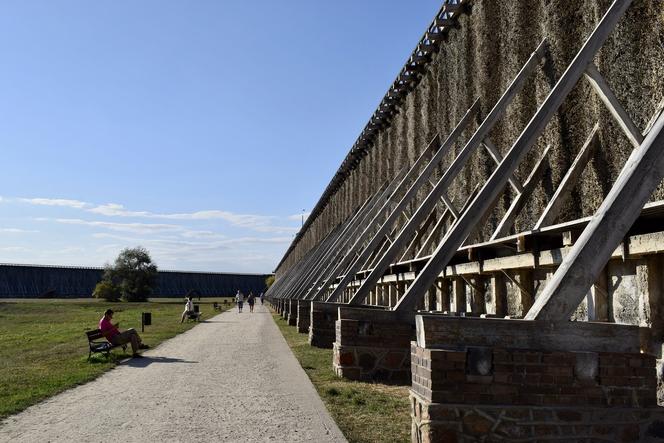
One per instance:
(513, 380)
(372, 344)
(292, 312)
(322, 324)
(303, 316)
(284, 309)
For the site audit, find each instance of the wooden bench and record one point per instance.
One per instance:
(196, 315)
(99, 344)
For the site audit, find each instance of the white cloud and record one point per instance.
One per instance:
(139, 228)
(117, 210)
(17, 231)
(76, 204)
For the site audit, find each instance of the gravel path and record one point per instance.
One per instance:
(231, 378)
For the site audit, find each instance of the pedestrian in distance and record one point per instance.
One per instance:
(251, 300)
(239, 299)
(261, 296)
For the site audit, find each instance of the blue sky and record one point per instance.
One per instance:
(198, 129)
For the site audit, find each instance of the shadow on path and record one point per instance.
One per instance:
(146, 361)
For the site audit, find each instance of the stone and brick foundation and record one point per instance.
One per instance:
(292, 312)
(321, 327)
(594, 386)
(303, 316)
(372, 344)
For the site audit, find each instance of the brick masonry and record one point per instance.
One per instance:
(321, 328)
(463, 395)
(292, 312)
(371, 350)
(435, 422)
(303, 316)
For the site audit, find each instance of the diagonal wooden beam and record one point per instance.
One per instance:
(520, 201)
(498, 180)
(569, 180)
(451, 173)
(609, 99)
(495, 155)
(642, 173)
(408, 197)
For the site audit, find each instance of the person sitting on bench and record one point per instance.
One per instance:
(189, 309)
(115, 337)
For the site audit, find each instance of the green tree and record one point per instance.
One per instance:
(107, 290)
(133, 274)
(269, 280)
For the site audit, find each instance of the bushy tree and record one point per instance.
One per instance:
(133, 274)
(107, 290)
(269, 280)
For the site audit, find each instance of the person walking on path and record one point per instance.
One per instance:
(251, 300)
(111, 332)
(261, 297)
(188, 309)
(239, 299)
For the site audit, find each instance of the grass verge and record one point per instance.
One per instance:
(365, 412)
(44, 350)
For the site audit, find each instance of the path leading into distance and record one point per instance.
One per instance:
(231, 378)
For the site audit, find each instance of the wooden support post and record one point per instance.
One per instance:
(478, 294)
(600, 295)
(526, 288)
(458, 295)
(430, 302)
(499, 293)
(442, 295)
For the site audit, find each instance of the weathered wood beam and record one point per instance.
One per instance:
(520, 201)
(437, 331)
(498, 180)
(495, 155)
(569, 180)
(642, 173)
(609, 99)
(399, 241)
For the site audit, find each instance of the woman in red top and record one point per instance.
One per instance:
(114, 336)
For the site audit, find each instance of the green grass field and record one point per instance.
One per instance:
(44, 350)
(365, 412)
